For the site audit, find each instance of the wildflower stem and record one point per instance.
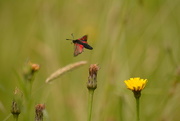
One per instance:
(137, 109)
(16, 118)
(136, 85)
(91, 93)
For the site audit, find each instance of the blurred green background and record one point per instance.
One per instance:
(131, 38)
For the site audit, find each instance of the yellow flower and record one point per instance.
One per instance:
(136, 84)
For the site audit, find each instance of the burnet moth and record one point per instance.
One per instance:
(80, 44)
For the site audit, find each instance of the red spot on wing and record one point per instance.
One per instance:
(84, 42)
(78, 49)
(84, 38)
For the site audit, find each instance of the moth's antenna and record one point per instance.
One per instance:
(72, 35)
(69, 39)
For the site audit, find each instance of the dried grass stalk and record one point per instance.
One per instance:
(63, 70)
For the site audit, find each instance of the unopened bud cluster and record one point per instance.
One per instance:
(92, 79)
(39, 112)
(29, 70)
(17, 103)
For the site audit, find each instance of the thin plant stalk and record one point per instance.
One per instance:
(91, 94)
(6, 119)
(16, 118)
(121, 108)
(91, 85)
(137, 109)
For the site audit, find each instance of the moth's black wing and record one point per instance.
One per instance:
(87, 46)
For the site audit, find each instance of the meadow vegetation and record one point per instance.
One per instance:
(130, 38)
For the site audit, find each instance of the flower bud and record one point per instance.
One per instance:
(29, 70)
(92, 79)
(39, 112)
(16, 103)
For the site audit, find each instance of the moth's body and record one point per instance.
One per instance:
(80, 44)
(84, 43)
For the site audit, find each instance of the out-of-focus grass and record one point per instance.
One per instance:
(129, 40)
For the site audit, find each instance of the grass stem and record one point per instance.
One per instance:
(7, 117)
(91, 93)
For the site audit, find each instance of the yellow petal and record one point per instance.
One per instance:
(135, 84)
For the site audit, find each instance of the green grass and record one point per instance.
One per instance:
(129, 40)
